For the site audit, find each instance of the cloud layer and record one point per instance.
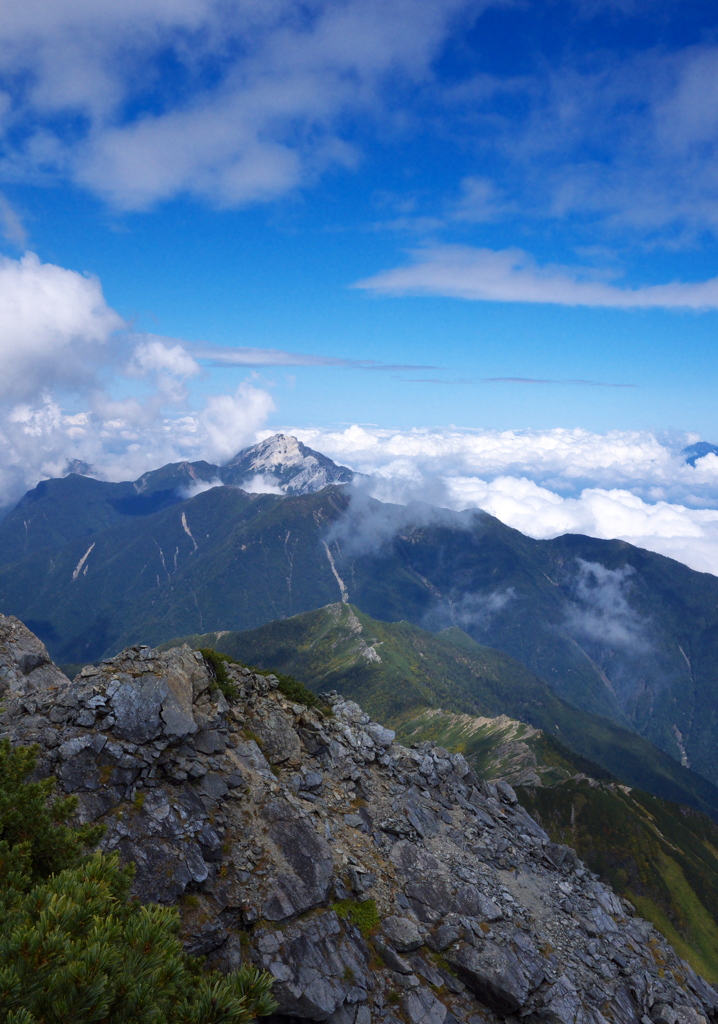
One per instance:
(240, 102)
(628, 485)
(511, 275)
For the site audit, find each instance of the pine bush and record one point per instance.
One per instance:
(74, 947)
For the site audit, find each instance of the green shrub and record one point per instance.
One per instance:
(74, 947)
(300, 694)
(292, 689)
(217, 663)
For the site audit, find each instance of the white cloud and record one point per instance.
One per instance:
(600, 611)
(627, 485)
(11, 225)
(60, 344)
(261, 484)
(269, 117)
(155, 355)
(200, 486)
(54, 324)
(230, 422)
(240, 355)
(511, 275)
(628, 142)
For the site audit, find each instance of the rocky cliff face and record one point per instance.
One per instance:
(375, 882)
(286, 463)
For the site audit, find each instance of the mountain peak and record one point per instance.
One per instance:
(284, 462)
(694, 452)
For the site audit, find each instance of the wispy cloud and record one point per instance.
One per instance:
(11, 225)
(256, 357)
(538, 380)
(512, 275)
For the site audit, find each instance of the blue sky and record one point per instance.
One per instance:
(493, 215)
(235, 178)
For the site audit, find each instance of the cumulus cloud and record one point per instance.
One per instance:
(54, 325)
(158, 356)
(60, 344)
(368, 527)
(629, 485)
(229, 422)
(261, 483)
(200, 486)
(511, 275)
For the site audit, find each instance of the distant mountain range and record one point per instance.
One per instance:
(612, 629)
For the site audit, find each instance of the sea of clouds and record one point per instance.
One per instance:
(630, 485)
(78, 384)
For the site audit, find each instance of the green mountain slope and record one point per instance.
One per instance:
(614, 630)
(397, 670)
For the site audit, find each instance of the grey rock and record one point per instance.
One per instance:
(422, 1007)
(153, 749)
(561, 1002)
(354, 820)
(402, 933)
(427, 971)
(444, 936)
(310, 867)
(136, 705)
(280, 741)
(506, 793)
(493, 974)
(469, 901)
(391, 958)
(209, 741)
(381, 736)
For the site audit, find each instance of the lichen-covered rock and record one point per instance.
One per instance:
(375, 883)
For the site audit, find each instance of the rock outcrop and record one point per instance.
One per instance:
(375, 882)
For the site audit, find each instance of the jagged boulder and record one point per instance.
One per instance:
(374, 882)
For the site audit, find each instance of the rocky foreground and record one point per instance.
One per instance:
(375, 882)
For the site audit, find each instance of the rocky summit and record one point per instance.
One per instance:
(374, 882)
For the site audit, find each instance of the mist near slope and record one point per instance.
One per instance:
(630, 485)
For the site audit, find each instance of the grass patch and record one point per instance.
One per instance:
(364, 915)
(217, 665)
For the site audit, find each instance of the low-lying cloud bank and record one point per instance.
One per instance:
(626, 485)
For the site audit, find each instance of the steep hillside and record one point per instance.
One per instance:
(373, 882)
(397, 670)
(615, 630)
(660, 855)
